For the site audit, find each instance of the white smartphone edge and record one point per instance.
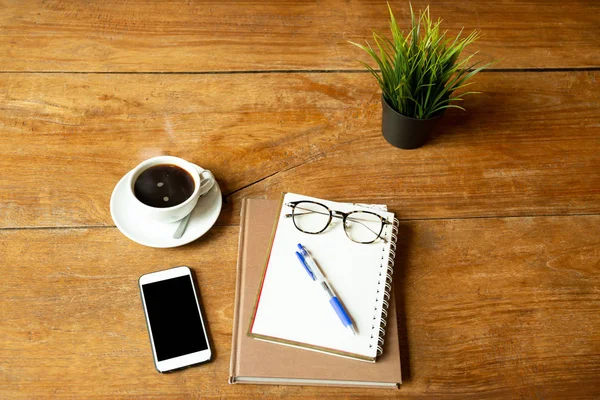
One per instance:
(187, 359)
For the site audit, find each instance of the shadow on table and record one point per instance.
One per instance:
(400, 265)
(480, 109)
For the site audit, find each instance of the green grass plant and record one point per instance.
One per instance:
(420, 71)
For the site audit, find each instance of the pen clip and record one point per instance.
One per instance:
(302, 249)
(305, 265)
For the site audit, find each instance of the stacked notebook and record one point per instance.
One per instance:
(273, 304)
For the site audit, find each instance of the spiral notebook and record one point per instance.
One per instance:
(292, 310)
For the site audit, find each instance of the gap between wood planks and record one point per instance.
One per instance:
(285, 71)
(80, 227)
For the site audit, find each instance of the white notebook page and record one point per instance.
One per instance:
(295, 308)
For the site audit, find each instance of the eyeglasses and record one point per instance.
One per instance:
(313, 218)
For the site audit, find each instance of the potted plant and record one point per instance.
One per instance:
(418, 74)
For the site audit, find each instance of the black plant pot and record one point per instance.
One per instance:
(405, 132)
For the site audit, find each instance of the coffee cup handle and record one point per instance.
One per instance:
(206, 184)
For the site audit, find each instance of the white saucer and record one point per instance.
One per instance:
(156, 234)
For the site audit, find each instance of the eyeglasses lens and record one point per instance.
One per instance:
(311, 217)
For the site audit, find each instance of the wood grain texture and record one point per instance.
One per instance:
(527, 146)
(56, 35)
(488, 309)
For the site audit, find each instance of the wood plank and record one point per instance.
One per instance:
(468, 169)
(499, 298)
(74, 35)
(489, 308)
(66, 140)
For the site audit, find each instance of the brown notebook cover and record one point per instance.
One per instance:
(258, 362)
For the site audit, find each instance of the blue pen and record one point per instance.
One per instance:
(315, 274)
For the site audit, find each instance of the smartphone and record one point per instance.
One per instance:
(175, 325)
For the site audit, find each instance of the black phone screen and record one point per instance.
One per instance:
(174, 318)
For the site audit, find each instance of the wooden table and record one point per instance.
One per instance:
(498, 277)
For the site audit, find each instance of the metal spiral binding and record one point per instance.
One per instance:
(392, 256)
(388, 287)
(389, 271)
(380, 342)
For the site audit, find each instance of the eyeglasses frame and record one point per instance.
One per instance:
(336, 214)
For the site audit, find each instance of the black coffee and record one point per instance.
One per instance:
(164, 185)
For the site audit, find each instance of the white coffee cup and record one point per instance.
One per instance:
(204, 180)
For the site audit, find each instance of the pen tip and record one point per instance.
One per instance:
(351, 328)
